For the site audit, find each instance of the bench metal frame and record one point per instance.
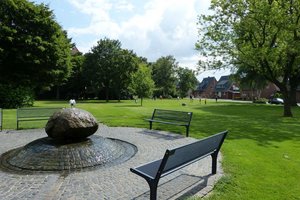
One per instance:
(1, 118)
(34, 114)
(177, 158)
(178, 118)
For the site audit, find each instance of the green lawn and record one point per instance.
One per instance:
(261, 155)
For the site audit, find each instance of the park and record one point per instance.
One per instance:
(145, 127)
(260, 154)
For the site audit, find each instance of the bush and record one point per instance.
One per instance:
(15, 96)
(278, 95)
(261, 101)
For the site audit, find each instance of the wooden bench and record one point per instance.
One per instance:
(1, 118)
(178, 118)
(34, 114)
(177, 158)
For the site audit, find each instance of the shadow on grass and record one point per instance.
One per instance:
(261, 123)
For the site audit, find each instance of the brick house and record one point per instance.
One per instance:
(206, 89)
(227, 89)
(267, 92)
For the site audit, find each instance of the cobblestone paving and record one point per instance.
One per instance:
(108, 183)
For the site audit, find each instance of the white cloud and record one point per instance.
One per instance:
(124, 5)
(158, 28)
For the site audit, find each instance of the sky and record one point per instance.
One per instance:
(151, 28)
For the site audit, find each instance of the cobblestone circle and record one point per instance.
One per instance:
(108, 182)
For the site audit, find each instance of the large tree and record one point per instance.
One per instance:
(164, 75)
(108, 67)
(263, 36)
(127, 64)
(34, 50)
(187, 80)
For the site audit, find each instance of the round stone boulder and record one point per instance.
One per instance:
(71, 123)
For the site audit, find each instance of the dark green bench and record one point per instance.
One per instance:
(1, 118)
(177, 158)
(34, 114)
(178, 118)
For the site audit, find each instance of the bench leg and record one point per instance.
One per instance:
(187, 131)
(150, 125)
(214, 157)
(153, 190)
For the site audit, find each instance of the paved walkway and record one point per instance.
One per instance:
(116, 182)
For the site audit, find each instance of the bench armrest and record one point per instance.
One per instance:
(147, 171)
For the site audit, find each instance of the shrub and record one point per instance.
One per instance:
(278, 95)
(15, 96)
(261, 101)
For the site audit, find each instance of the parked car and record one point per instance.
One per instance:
(276, 101)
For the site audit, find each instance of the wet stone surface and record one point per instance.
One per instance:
(46, 154)
(70, 123)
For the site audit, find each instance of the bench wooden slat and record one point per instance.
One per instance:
(168, 122)
(172, 115)
(188, 153)
(34, 114)
(179, 118)
(180, 157)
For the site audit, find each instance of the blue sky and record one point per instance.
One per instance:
(151, 28)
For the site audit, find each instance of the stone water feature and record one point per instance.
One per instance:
(70, 145)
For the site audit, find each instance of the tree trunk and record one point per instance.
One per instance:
(287, 103)
(287, 110)
(293, 97)
(107, 94)
(57, 93)
(294, 82)
(141, 101)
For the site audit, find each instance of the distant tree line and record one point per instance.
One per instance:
(36, 62)
(110, 72)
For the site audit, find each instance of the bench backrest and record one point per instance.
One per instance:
(184, 155)
(1, 118)
(172, 115)
(35, 112)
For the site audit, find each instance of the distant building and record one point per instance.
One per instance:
(75, 51)
(206, 89)
(227, 89)
(267, 92)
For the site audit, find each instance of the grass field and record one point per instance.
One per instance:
(261, 155)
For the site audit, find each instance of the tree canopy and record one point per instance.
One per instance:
(164, 75)
(109, 67)
(260, 36)
(34, 50)
(187, 80)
